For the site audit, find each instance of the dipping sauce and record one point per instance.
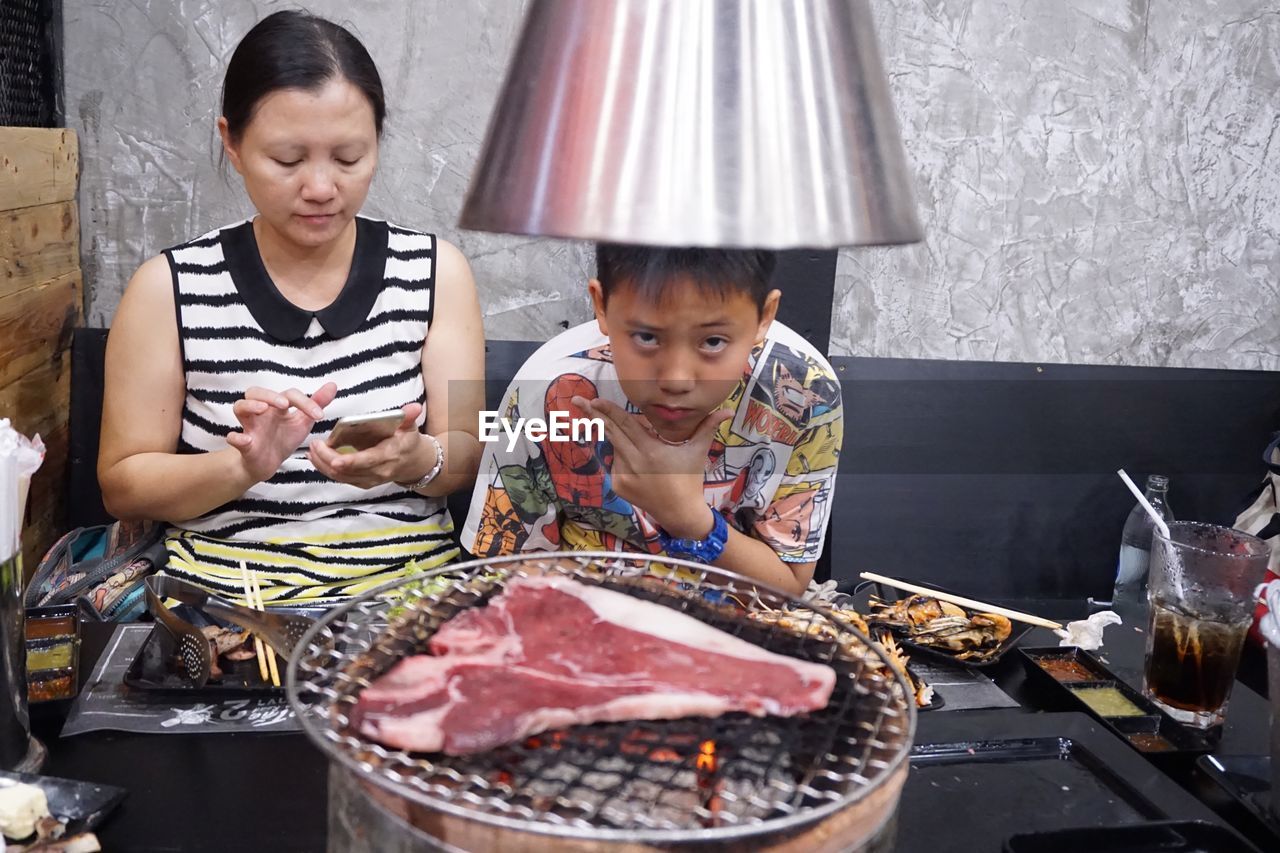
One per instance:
(1108, 702)
(48, 689)
(1150, 742)
(1067, 669)
(58, 656)
(43, 628)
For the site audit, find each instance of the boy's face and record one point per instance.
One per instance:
(678, 359)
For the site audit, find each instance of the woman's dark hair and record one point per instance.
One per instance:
(295, 50)
(650, 270)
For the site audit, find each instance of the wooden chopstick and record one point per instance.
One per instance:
(1015, 615)
(258, 605)
(257, 641)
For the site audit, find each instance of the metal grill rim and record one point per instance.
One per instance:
(857, 763)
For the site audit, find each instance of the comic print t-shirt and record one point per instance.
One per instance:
(770, 469)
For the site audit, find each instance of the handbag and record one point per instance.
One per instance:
(1262, 519)
(101, 570)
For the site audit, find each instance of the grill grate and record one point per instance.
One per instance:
(30, 65)
(637, 779)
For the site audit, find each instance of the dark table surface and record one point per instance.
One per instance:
(191, 792)
(249, 792)
(1245, 732)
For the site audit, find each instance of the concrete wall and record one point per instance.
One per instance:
(1099, 181)
(143, 86)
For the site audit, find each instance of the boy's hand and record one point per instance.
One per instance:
(663, 479)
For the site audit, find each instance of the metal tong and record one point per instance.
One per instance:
(282, 631)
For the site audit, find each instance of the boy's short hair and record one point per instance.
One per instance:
(651, 269)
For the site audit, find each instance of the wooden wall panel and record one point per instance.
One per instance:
(37, 166)
(47, 500)
(39, 402)
(38, 244)
(36, 324)
(41, 301)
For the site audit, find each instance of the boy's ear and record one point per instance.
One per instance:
(232, 151)
(597, 303)
(767, 314)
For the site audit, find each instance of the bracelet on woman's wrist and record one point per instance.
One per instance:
(435, 469)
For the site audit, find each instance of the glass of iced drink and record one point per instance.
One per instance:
(1201, 592)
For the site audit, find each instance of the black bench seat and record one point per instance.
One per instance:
(996, 479)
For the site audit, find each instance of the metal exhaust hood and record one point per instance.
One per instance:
(750, 123)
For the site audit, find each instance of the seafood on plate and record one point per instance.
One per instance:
(922, 691)
(937, 624)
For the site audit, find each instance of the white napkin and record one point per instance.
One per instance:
(1269, 625)
(19, 459)
(1087, 633)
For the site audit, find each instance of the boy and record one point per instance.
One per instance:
(722, 428)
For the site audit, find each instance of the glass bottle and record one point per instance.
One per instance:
(1129, 598)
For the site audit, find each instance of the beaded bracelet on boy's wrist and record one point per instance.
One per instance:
(435, 469)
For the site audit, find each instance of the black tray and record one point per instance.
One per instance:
(153, 669)
(1177, 836)
(1154, 733)
(980, 777)
(888, 593)
(81, 805)
(1247, 778)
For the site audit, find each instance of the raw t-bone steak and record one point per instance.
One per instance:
(551, 652)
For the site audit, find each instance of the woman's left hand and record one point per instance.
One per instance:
(402, 458)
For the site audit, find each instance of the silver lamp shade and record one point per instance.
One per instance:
(760, 123)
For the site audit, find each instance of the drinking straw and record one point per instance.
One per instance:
(1142, 499)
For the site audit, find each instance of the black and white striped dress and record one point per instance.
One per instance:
(312, 540)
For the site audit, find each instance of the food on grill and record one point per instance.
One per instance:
(920, 690)
(551, 652)
(816, 625)
(938, 624)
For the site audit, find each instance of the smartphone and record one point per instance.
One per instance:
(360, 432)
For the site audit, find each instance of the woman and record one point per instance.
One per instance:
(231, 356)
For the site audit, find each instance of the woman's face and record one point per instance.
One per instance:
(307, 159)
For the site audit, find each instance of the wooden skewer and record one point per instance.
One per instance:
(1015, 615)
(257, 641)
(260, 606)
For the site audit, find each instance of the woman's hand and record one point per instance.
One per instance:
(404, 457)
(274, 425)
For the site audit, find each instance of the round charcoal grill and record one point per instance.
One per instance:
(830, 778)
